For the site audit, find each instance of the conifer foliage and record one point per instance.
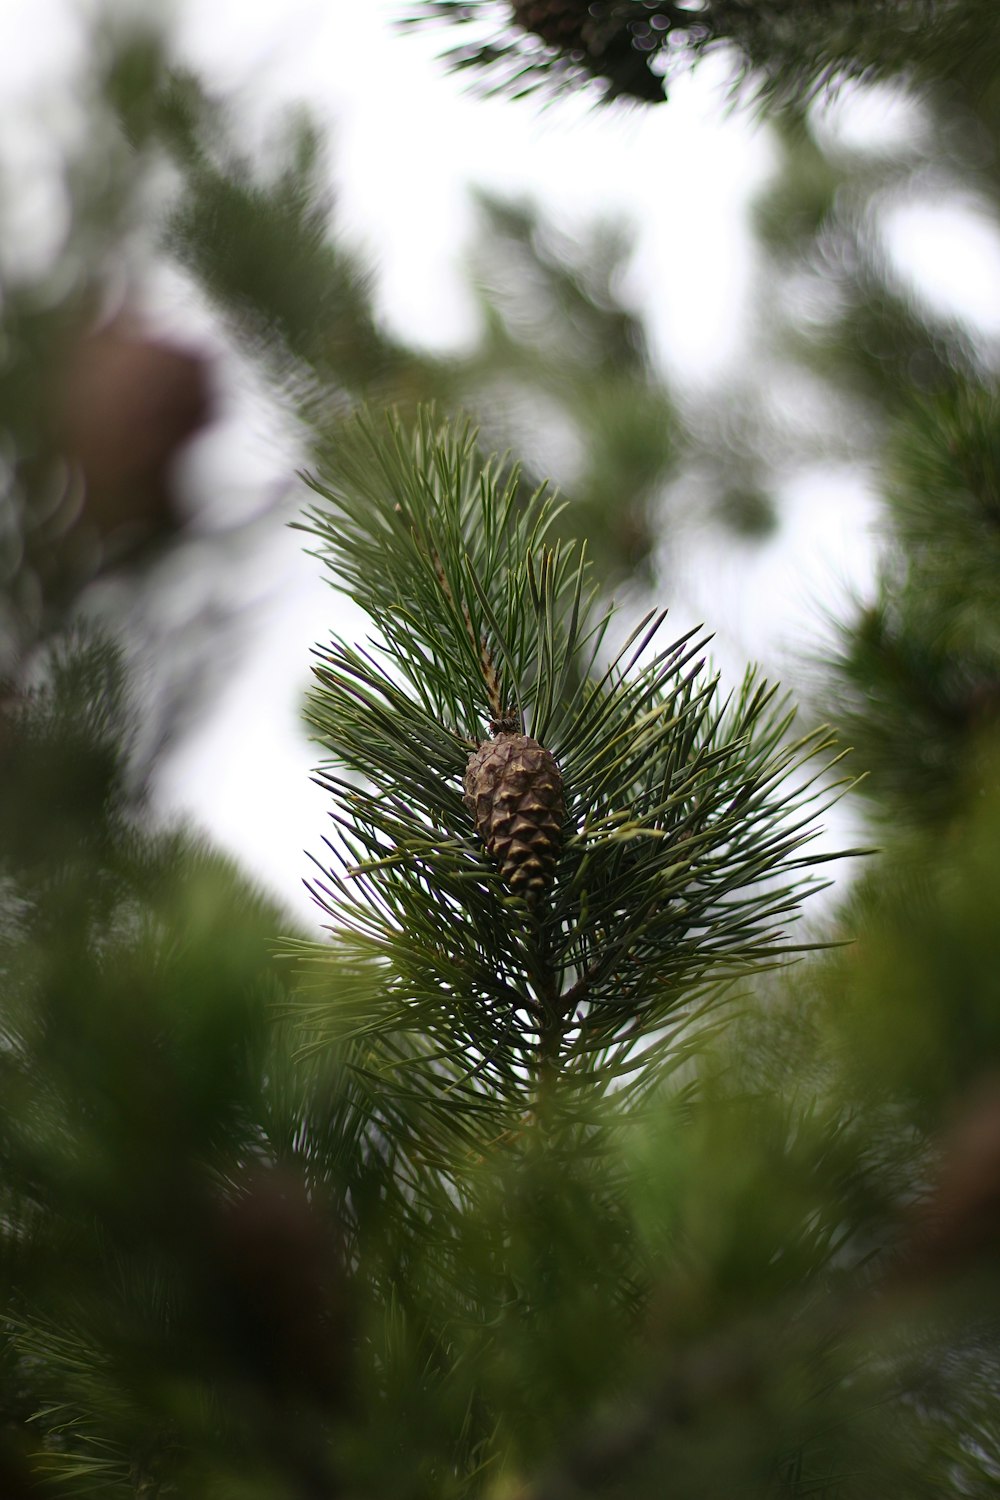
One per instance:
(544, 1176)
(641, 833)
(785, 50)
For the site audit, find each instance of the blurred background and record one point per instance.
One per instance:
(223, 227)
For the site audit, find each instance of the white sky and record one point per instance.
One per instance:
(407, 142)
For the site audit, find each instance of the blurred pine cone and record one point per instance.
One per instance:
(129, 405)
(958, 1223)
(278, 1299)
(559, 23)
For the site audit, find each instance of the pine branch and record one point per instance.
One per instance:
(686, 814)
(784, 51)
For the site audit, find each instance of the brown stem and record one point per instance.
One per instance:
(486, 663)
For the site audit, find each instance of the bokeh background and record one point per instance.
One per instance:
(448, 1201)
(693, 321)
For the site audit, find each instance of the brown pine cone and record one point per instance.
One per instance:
(514, 791)
(277, 1297)
(129, 405)
(560, 23)
(958, 1224)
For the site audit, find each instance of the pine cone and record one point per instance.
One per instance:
(612, 41)
(129, 405)
(514, 791)
(958, 1224)
(277, 1298)
(560, 23)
